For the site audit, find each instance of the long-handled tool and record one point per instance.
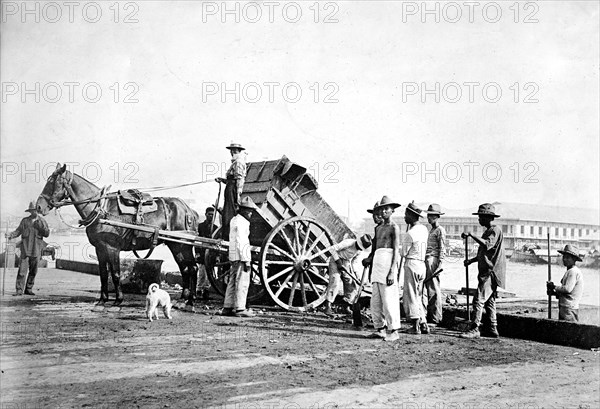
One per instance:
(356, 310)
(549, 279)
(466, 238)
(5, 259)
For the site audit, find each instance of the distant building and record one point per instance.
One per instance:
(523, 224)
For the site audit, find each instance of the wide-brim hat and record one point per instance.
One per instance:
(435, 209)
(413, 208)
(31, 207)
(486, 209)
(374, 207)
(235, 146)
(248, 203)
(364, 241)
(386, 201)
(572, 251)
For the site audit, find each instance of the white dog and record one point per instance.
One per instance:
(157, 298)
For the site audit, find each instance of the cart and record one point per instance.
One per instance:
(291, 235)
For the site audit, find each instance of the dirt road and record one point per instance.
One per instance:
(57, 352)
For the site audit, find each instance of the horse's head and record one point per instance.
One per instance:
(55, 189)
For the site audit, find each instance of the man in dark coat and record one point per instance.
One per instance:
(491, 263)
(32, 230)
(234, 185)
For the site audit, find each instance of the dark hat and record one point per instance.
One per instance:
(31, 207)
(374, 206)
(572, 251)
(434, 209)
(413, 208)
(364, 241)
(235, 146)
(486, 209)
(209, 209)
(386, 201)
(248, 203)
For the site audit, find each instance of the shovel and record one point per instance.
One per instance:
(356, 314)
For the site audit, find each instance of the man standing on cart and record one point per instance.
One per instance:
(234, 184)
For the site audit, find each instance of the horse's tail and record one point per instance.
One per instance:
(153, 287)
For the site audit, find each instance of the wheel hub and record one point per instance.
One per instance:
(302, 264)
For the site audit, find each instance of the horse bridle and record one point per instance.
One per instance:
(68, 193)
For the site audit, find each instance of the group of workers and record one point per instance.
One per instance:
(420, 252)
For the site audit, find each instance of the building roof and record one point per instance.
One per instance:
(537, 213)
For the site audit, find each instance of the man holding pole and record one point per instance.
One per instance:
(32, 230)
(234, 185)
(571, 289)
(491, 263)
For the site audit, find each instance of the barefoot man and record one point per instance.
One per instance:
(385, 306)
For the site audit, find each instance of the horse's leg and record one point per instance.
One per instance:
(114, 264)
(103, 271)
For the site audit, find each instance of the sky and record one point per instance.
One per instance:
(498, 102)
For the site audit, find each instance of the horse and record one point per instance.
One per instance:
(92, 203)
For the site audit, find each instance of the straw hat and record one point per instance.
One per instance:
(248, 203)
(434, 209)
(413, 208)
(386, 201)
(364, 241)
(572, 251)
(235, 146)
(486, 209)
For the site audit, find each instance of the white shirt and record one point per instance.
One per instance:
(239, 239)
(571, 290)
(414, 244)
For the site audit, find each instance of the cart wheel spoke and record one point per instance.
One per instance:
(297, 238)
(314, 244)
(294, 283)
(303, 289)
(283, 252)
(312, 285)
(289, 243)
(276, 276)
(306, 237)
(319, 276)
(282, 286)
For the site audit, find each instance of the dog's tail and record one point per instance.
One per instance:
(153, 287)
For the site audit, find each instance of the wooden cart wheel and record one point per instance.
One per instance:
(294, 263)
(217, 268)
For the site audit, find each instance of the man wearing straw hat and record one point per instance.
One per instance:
(385, 308)
(414, 246)
(571, 289)
(436, 248)
(240, 258)
(234, 184)
(491, 263)
(32, 230)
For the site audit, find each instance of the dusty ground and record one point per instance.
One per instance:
(57, 352)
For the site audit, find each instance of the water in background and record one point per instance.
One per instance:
(525, 280)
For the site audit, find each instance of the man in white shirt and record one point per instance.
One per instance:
(240, 258)
(341, 262)
(571, 289)
(414, 247)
